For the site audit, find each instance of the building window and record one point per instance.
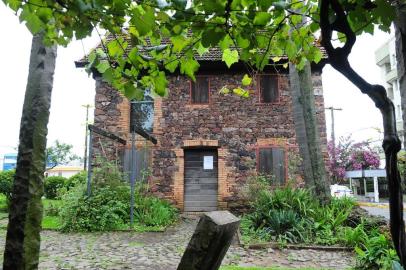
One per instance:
(200, 90)
(142, 113)
(268, 88)
(272, 161)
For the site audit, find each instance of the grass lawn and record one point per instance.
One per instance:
(51, 221)
(264, 268)
(3, 204)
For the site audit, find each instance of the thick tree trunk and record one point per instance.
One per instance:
(400, 34)
(23, 231)
(307, 131)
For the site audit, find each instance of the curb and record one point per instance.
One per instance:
(290, 246)
(377, 205)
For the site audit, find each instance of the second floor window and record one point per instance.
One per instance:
(268, 88)
(199, 91)
(142, 113)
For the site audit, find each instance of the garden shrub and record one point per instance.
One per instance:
(376, 254)
(6, 183)
(289, 215)
(295, 215)
(79, 178)
(152, 211)
(51, 186)
(108, 208)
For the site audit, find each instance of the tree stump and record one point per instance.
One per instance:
(210, 241)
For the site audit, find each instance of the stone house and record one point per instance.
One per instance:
(209, 143)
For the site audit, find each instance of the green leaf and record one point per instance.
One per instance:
(262, 18)
(290, 49)
(179, 42)
(341, 37)
(212, 36)
(201, 49)
(241, 92)
(226, 42)
(160, 84)
(317, 55)
(246, 80)
(242, 42)
(103, 66)
(130, 91)
(33, 22)
(114, 48)
(132, 56)
(13, 4)
(108, 75)
(189, 66)
(224, 91)
(171, 65)
(276, 59)
(143, 20)
(230, 57)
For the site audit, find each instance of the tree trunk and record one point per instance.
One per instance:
(400, 34)
(23, 231)
(338, 58)
(307, 131)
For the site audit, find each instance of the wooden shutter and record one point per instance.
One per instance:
(271, 161)
(200, 90)
(269, 88)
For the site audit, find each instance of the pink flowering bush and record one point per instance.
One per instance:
(347, 156)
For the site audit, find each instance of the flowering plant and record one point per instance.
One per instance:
(348, 155)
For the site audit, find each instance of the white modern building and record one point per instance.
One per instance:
(385, 58)
(65, 171)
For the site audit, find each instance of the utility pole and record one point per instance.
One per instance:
(87, 106)
(333, 136)
(332, 109)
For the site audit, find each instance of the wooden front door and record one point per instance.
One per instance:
(201, 182)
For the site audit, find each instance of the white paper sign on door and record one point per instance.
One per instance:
(208, 163)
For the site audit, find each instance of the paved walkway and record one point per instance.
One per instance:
(162, 251)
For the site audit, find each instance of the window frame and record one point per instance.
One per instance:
(151, 102)
(258, 80)
(208, 91)
(273, 146)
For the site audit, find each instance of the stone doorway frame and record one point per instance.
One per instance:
(179, 177)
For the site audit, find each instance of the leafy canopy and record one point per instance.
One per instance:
(58, 154)
(149, 39)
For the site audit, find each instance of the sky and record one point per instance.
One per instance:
(73, 88)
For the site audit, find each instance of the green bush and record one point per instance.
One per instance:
(108, 208)
(152, 211)
(79, 178)
(6, 183)
(51, 186)
(376, 254)
(295, 215)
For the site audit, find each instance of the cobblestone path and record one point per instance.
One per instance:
(161, 251)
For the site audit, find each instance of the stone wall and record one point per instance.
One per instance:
(111, 114)
(236, 126)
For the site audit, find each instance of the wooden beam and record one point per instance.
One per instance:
(107, 134)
